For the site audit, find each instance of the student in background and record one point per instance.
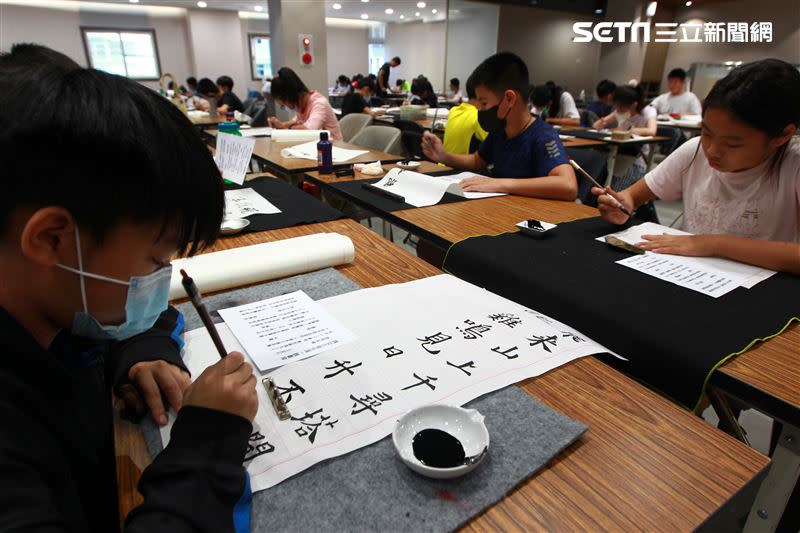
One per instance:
(740, 180)
(74, 232)
(676, 100)
(228, 101)
(454, 94)
(422, 93)
(191, 86)
(356, 102)
(343, 85)
(602, 106)
(383, 76)
(313, 111)
(463, 132)
(556, 105)
(208, 92)
(527, 154)
(355, 80)
(630, 114)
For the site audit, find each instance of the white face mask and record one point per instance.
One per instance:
(622, 117)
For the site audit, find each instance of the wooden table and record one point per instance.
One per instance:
(208, 122)
(268, 153)
(445, 224)
(612, 146)
(644, 463)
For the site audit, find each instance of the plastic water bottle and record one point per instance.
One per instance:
(324, 154)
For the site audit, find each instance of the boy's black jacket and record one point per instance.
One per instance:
(57, 466)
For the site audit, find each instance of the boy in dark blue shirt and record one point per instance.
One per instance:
(527, 154)
(602, 105)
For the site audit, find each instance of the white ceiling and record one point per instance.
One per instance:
(350, 9)
(228, 5)
(376, 10)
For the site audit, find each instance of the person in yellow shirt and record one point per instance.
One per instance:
(462, 125)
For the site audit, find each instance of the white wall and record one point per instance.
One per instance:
(190, 42)
(421, 47)
(217, 47)
(305, 17)
(348, 51)
(620, 62)
(785, 18)
(471, 38)
(60, 29)
(543, 39)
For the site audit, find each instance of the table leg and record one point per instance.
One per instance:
(727, 419)
(650, 157)
(777, 487)
(612, 158)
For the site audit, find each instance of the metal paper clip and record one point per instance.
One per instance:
(276, 399)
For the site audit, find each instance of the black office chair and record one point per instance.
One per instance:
(260, 114)
(588, 118)
(411, 137)
(595, 163)
(676, 138)
(249, 105)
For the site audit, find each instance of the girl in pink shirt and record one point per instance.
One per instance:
(313, 111)
(740, 181)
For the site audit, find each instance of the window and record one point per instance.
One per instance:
(126, 53)
(376, 55)
(260, 56)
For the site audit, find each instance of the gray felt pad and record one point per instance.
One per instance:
(370, 489)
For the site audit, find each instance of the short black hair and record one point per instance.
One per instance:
(421, 85)
(501, 72)
(225, 81)
(471, 87)
(399, 82)
(343, 79)
(456, 82)
(148, 163)
(191, 80)
(207, 87)
(627, 95)
(605, 87)
(677, 73)
(288, 86)
(541, 95)
(367, 82)
(396, 59)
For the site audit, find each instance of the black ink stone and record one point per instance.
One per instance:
(434, 447)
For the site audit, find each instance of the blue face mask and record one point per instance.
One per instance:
(147, 298)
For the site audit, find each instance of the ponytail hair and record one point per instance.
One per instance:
(549, 92)
(764, 94)
(288, 86)
(627, 95)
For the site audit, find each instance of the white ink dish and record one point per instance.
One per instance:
(409, 165)
(536, 228)
(232, 226)
(466, 425)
